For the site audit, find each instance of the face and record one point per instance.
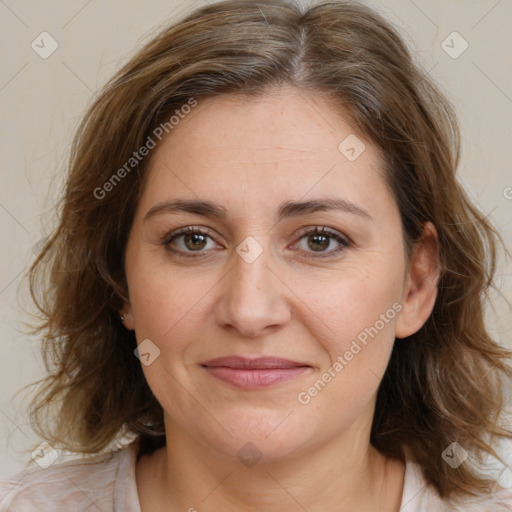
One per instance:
(280, 246)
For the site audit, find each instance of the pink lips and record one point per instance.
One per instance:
(254, 373)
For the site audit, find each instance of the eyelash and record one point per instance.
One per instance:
(317, 230)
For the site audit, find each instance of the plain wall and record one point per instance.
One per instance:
(43, 99)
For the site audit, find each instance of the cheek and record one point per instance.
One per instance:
(345, 307)
(163, 302)
(354, 322)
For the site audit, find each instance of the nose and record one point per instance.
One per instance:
(253, 299)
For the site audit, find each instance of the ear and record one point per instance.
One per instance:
(126, 316)
(420, 290)
(125, 311)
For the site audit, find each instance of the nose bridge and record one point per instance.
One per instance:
(253, 299)
(252, 278)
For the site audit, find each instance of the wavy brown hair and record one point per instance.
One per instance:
(443, 384)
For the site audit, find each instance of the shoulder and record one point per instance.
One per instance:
(418, 496)
(104, 482)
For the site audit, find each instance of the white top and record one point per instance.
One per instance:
(107, 483)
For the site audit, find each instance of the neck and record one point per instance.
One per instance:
(186, 475)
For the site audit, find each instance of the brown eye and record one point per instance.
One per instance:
(318, 242)
(322, 241)
(195, 241)
(189, 240)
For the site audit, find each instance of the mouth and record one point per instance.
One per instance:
(251, 374)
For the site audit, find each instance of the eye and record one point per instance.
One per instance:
(322, 241)
(189, 240)
(313, 242)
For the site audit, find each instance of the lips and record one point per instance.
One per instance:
(253, 364)
(252, 374)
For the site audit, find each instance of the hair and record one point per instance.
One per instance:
(443, 384)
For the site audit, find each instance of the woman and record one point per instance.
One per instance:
(267, 286)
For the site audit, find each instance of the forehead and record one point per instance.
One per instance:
(286, 119)
(286, 142)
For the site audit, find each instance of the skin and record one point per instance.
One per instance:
(251, 155)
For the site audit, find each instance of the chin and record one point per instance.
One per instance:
(259, 439)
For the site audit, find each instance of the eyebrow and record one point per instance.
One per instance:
(286, 210)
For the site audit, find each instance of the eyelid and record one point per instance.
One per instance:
(325, 230)
(200, 230)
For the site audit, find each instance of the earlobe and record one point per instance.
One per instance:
(420, 290)
(126, 317)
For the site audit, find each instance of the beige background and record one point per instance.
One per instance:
(42, 100)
